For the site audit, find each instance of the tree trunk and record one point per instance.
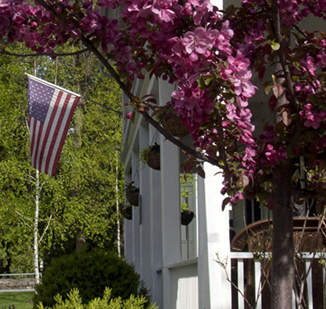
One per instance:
(80, 242)
(117, 200)
(283, 246)
(36, 218)
(36, 265)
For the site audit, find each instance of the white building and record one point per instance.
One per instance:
(176, 262)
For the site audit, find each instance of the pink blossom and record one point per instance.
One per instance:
(235, 198)
(309, 64)
(223, 37)
(162, 8)
(271, 155)
(312, 118)
(322, 57)
(18, 18)
(201, 10)
(91, 23)
(198, 41)
(232, 112)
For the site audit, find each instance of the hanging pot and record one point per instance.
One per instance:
(187, 216)
(133, 198)
(153, 160)
(172, 124)
(127, 212)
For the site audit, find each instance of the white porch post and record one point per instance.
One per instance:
(145, 210)
(135, 234)
(156, 238)
(170, 173)
(213, 238)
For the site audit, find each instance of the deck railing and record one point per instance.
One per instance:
(24, 282)
(251, 274)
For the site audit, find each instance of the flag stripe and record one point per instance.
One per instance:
(60, 142)
(50, 121)
(31, 136)
(57, 133)
(34, 141)
(43, 131)
(38, 132)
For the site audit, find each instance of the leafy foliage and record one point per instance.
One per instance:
(143, 156)
(90, 272)
(15, 234)
(131, 188)
(74, 301)
(187, 189)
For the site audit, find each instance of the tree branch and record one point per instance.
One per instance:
(24, 218)
(283, 41)
(46, 228)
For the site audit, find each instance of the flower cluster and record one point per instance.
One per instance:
(312, 118)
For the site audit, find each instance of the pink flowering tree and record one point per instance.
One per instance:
(213, 57)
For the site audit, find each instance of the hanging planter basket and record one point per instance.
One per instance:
(132, 193)
(153, 160)
(133, 198)
(127, 212)
(172, 124)
(151, 156)
(187, 216)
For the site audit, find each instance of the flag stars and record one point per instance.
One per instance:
(39, 99)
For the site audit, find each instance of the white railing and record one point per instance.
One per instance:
(24, 282)
(241, 276)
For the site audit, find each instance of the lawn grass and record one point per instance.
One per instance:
(21, 300)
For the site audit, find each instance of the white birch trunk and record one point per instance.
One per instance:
(37, 192)
(117, 202)
(35, 227)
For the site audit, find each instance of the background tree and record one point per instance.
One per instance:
(16, 207)
(89, 168)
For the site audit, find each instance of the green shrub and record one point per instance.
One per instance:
(89, 272)
(74, 301)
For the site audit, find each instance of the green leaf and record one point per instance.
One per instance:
(268, 89)
(275, 45)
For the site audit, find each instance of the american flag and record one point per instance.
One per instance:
(50, 110)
